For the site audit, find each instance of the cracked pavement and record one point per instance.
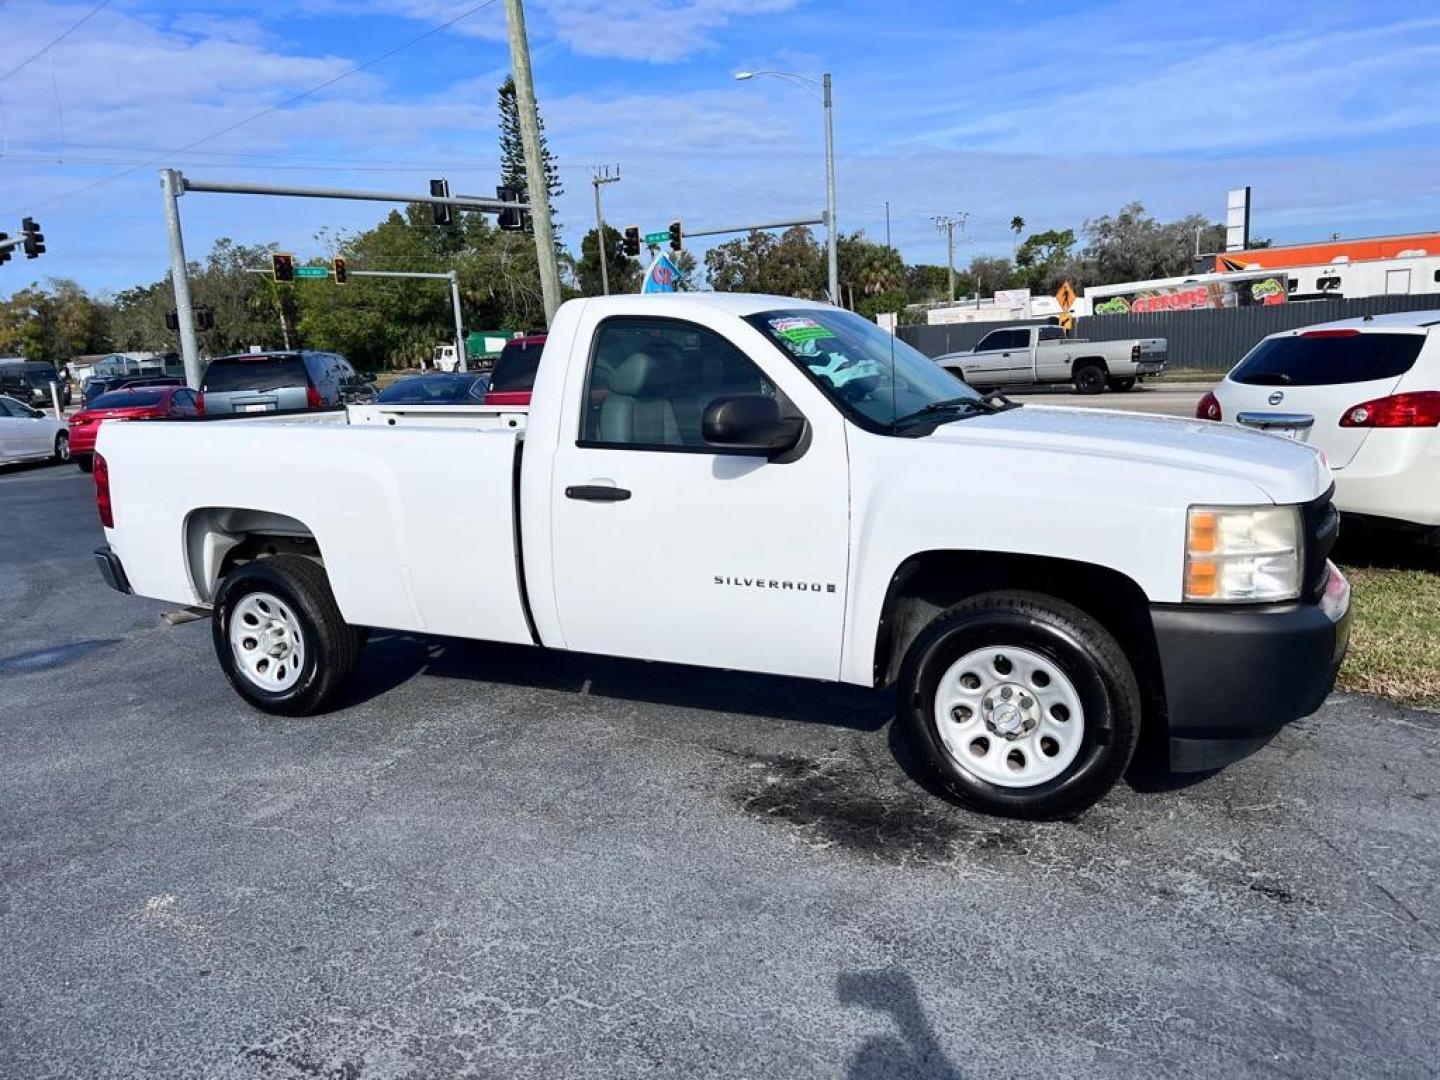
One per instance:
(500, 862)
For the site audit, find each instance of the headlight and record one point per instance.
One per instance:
(1242, 554)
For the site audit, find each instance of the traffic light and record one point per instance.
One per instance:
(338, 268)
(282, 267)
(512, 220)
(632, 241)
(444, 213)
(677, 240)
(172, 320)
(4, 251)
(204, 318)
(34, 238)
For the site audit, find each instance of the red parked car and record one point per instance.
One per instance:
(136, 403)
(514, 376)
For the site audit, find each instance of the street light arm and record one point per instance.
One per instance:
(790, 76)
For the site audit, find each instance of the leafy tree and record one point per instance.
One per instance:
(792, 264)
(623, 271)
(1132, 246)
(989, 273)
(512, 150)
(53, 322)
(1044, 260)
(928, 284)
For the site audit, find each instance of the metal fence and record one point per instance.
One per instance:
(1213, 338)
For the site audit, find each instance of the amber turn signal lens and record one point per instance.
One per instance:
(1204, 532)
(1200, 580)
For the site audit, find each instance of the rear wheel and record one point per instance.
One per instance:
(1019, 704)
(86, 462)
(1090, 379)
(62, 446)
(1122, 384)
(280, 638)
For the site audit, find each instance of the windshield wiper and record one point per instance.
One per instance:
(990, 403)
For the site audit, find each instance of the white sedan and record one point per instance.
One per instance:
(28, 434)
(1365, 391)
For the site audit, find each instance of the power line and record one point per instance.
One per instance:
(57, 39)
(268, 109)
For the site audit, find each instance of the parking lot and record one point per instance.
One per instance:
(496, 861)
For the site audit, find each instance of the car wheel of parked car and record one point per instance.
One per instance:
(1019, 704)
(1090, 379)
(86, 462)
(1122, 384)
(62, 446)
(280, 638)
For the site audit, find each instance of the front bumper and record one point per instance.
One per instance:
(1235, 675)
(111, 569)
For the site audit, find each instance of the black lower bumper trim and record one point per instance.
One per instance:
(1235, 675)
(111, 569)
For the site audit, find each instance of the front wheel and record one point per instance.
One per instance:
(1090, 379)
(280, 637)
(62, 446)
(1020, 704)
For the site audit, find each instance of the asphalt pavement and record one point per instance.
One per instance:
(494, 861)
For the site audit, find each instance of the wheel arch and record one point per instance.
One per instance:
(219, 538)
(1089, 361)
(928, 582)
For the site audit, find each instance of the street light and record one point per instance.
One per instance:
(832, 252)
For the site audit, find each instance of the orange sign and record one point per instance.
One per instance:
(1065, 296)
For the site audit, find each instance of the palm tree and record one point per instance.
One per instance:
(1017, 226)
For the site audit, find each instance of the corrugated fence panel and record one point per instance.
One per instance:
(1214, 339)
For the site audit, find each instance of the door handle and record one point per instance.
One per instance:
(597, 493)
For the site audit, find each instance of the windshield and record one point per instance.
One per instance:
(1327, 357)
(873, 376)
(258, 372)
(516, 366)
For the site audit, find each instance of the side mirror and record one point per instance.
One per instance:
(750, 422)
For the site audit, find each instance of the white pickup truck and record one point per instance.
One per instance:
(697, 482)
(1027, 355)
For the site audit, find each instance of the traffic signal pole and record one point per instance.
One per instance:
(173, 184)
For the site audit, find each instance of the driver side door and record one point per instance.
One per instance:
(665, 547)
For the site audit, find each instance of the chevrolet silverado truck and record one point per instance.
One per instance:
(694, 484)
(1032, 355)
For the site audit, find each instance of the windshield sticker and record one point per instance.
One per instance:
(797, 329)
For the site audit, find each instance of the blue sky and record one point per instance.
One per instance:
(1054, 111)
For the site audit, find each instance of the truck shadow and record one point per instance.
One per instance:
(391, 658)
(912, 1048)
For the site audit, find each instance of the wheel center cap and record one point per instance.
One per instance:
(274, 642)
(1010, 711)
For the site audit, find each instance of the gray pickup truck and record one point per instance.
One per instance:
(1043, 354)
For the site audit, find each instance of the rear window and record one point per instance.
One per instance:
(516, 366)
(123, 398)
(1327, 360)
(254, 373)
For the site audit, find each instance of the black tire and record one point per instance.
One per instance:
(85, 462)
(1090, 378)
(1082, 649)
(1122, 384)
(62, 446)
(331, 646)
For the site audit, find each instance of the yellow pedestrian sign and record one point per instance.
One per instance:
(1065, 296)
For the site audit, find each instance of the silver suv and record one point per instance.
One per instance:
(274, 381)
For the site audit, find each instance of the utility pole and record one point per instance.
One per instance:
(598, 180)
(535, 179)
(832, 240)
(462, 361)
(887, 226)
(174, 186)
(948, 223)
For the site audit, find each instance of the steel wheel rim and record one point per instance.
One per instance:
(267, 642)
(62, 446)
(1009, 716)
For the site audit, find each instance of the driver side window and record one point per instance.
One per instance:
(650, 381)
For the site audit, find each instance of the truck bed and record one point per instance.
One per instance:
(407, 544)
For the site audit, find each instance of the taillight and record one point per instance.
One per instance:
(1134, 352)
(1209, 408)
(312, 397)
(200, 404)
(1419, 409)
(102, 491)
(1330, 333)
